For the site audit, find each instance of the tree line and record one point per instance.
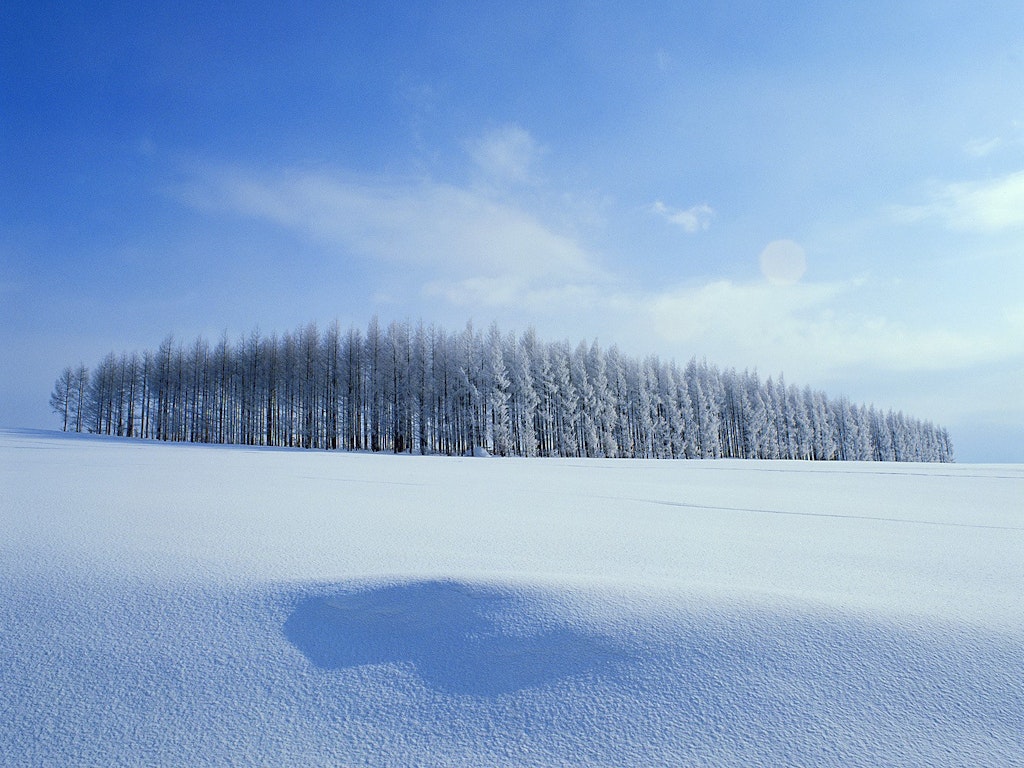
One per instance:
(423, 389)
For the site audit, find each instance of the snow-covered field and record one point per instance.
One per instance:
(187, 605)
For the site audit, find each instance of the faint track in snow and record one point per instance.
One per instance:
(812, 468)
(689, 505)
(854, 469)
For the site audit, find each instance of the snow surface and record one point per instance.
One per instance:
(191, 605)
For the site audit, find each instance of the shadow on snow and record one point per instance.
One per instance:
(458, 637)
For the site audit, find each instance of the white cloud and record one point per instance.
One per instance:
(508, 154)
(567, 299)
(1011, 138)
(462, 248)
(754, 316)
(692, 220)
(983, 147)
(488, 292)
(798, 328)
(444, 228)
(984, 206)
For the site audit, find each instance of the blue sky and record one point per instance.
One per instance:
(830, 190)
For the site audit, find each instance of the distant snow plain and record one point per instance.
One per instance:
(197, 605)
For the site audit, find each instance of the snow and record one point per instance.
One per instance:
(181, 604)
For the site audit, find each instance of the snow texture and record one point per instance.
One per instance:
(196, 605)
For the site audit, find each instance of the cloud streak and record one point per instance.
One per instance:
(988, 207)
(446, 229)
(691, 220)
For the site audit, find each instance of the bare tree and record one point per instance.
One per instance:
(63, 396)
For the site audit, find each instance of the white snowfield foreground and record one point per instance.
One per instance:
(188, 605)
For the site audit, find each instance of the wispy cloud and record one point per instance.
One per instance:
(447, 229)
(986, 206)
(535, 299)
(509, 153)
(983, 147)
(1012, 137)
(490, 292)
(692, 220)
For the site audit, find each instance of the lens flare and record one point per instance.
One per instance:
(783, 262)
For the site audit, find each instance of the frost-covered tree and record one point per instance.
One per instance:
(603, 404)
(523, 399)
(618, 397)
(566, 401)
(587, 418)
(497, 393)
(431, 391)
